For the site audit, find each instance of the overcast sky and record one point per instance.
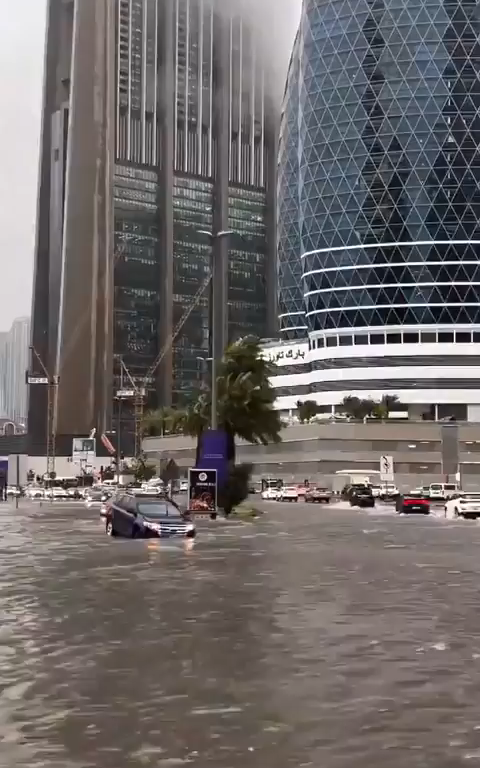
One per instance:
(21, 64)
(22, 38)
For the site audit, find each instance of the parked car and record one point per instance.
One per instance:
(361, 496)
(97, 494)
(318, 495)
(12, 490)
(140, 517)
(183, 487)
(270, 494)
(57, 493)
(412, 504)
(289, 493)
(388, 492)
(465, 505)
(35, 492)
(442, 491)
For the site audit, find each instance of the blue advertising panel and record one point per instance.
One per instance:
(4, 468)
(214, 452)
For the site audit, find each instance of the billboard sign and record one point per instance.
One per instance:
(202, 490)
(84, 448)
(213, 453)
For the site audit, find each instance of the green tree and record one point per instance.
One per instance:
(162, 421)
(236, 488)
(245, 398)
(142, 470)
(307, 410)
(387, 404)
(356, 408)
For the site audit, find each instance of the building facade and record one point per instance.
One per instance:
(13, 365)
(389, 208)
(176, 142)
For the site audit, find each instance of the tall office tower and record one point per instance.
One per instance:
(157, 125)
(386, 110)
(290, 299)
(13, 364)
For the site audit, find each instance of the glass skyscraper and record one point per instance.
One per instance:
(380, 153)
(157, 124)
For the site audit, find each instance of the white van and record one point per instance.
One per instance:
(442, 491)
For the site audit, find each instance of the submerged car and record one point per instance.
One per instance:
(138, 517)
(318, 496)
(361, 496)
(57, 493)
(466, 505)
(412, 504)
(35, 492)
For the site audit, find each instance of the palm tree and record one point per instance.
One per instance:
(161, 421)
(245, 397)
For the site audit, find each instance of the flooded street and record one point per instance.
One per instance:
(316, 637)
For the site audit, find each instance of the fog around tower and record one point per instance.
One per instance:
(275, 23)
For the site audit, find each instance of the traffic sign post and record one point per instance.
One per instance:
(51, 382)
(387, 474)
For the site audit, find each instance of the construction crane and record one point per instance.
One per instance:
(51, 382)
(140, 391)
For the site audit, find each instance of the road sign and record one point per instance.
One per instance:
(125, 394)
(83, 448)
(32, 379)
(386, 468)
(35, 378)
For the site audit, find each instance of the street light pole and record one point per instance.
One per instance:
(219, 328)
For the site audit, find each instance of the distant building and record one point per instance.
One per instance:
(13, 364)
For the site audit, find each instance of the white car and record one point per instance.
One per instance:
(465, 505)
(35, 492)
(12, 490)
(442, 491)
(183, 487)
(270, 494)
(288, 494)
(56, 493)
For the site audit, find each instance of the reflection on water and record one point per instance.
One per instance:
(323, 638)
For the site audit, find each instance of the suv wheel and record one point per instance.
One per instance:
(109, 529)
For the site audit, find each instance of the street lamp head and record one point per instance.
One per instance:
(216, 235)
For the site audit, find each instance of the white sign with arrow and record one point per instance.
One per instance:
(386, 469)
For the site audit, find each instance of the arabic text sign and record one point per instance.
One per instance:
(286, 354)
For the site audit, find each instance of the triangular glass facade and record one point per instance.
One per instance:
(381, 167)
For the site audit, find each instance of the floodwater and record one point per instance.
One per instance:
(316, 637)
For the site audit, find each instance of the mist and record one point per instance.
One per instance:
(275, 24)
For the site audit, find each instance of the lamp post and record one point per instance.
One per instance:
(219, 306)
(204, 361)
